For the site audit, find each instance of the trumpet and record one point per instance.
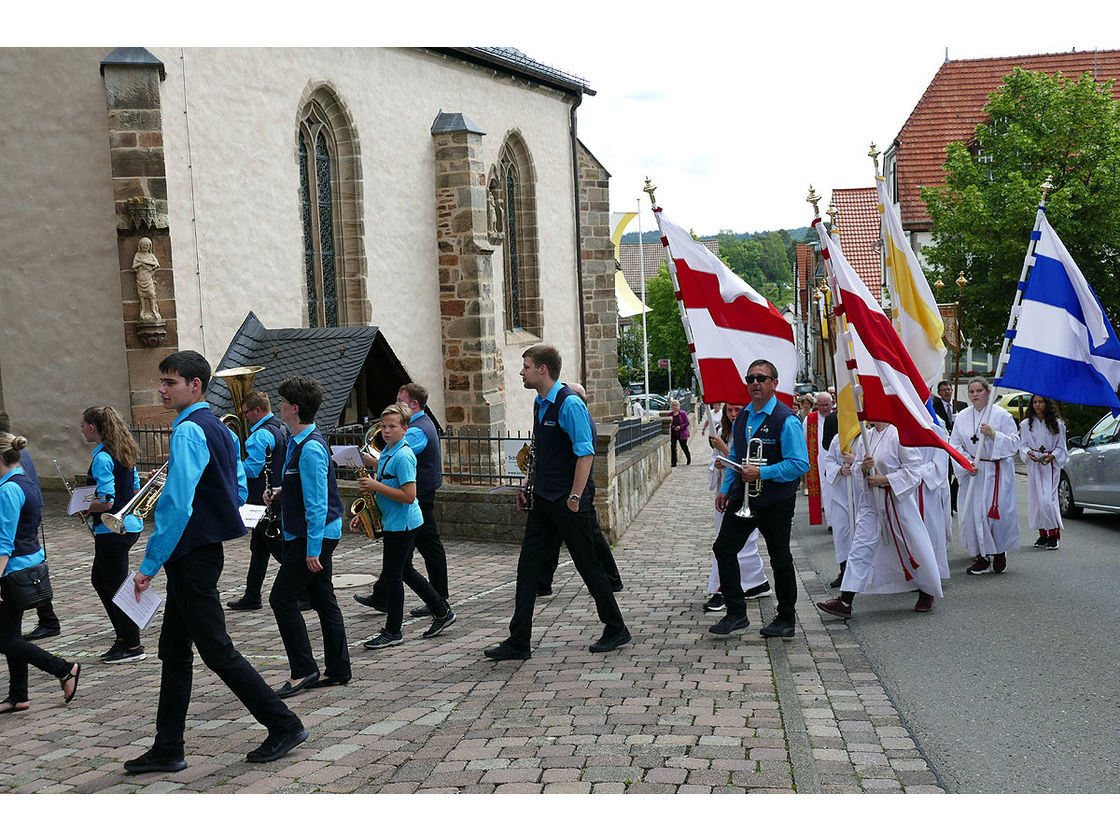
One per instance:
(753, 489)
(366, 508)
(139, 505)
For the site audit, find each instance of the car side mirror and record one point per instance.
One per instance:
(1075, 441)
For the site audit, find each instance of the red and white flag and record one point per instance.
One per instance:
(893, 391)
(728, 324)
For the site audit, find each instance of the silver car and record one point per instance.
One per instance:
(1091, 478)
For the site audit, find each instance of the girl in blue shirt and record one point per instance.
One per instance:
(395, 486)
(113, 471)
(20, 514)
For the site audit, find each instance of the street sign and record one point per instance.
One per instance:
(663, 363)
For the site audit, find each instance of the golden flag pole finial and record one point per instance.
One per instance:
(832, 215)
(874, 155)
(813, 199)
(649, 188)
(1047, 186)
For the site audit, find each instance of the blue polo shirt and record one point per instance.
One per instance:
(795, 452)
(12, 499)
(314, 467)
(102, 469)
(395, 468)
(256, 447)
(574, 419)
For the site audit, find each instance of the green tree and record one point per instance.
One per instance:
(1036, 126)
(666, 332)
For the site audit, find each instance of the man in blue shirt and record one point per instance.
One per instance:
(265, 450)
(769, 490)
(197, 510)
(564, 456)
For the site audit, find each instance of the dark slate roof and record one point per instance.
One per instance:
(133, 56)
(516, 62)
(333, 355)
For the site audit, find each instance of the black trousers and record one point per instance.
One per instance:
(430, 547)
(548, 521)
(260, 549)
(603, 555)
(292, 581)
(774, 523)
(21, 653)
(110, 568)
(684, 449)
(396, 571)
(193, 614)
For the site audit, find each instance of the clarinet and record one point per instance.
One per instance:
(269, 518)
(70, 489)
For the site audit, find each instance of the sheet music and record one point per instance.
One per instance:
(348, 456)
(251, 515)
(728, 462)
(143, 612)
(81, 498)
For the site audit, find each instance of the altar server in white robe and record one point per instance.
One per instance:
(989, 527)
(836, 472)
(891, 551)
(934, 501)
(752, 574)
(1043, 449)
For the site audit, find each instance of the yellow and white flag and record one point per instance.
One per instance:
(629, 304)
(914, 309)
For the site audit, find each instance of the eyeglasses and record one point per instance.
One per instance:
(758, 377)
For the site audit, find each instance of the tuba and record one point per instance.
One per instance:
(366, 508)
(752, 490)
(141, 504)
(239, 380)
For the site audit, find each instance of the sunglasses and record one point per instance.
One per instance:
(757, 377)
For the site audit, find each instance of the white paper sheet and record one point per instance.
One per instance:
(81, 499)
(348, 456)
(143, 612)
(251, 515)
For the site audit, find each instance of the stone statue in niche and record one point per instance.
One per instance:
(494, 222)
(145, 265)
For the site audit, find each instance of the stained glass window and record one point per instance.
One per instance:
(317, 210)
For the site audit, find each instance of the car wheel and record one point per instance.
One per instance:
(1065, 499)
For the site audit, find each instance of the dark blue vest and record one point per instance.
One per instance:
(555, 460)
(770, 433)
(29, 469)
(216, 516)
(429, 465)
(27, 529)
(122, 481)
(279, 434)
(291, 500)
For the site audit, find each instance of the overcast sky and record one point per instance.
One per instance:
(732, 109)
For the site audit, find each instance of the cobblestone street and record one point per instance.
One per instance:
(679, 710)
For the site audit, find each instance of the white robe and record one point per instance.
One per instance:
(821, 451)
(891, 541)
(842, 501)
(1042, 479)
(980, 533)
(751, 571)
(934, 501)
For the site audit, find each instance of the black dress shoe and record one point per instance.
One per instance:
(420, 612)
(289, 690)
(277, 746)
(327, 682)
(611, 640)
(505, 651)
(780, 627)
(243, 604)
(617, 587)
(42, 632)
(154, 761)
(729, 624)
(371, 602)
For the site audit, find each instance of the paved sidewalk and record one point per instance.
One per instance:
(679, 710)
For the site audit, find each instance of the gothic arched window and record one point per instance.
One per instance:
(516, 190)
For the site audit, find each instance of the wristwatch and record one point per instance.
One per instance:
(574, 497)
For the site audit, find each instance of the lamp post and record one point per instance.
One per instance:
(961, 283)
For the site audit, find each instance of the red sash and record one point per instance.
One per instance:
(813, 479)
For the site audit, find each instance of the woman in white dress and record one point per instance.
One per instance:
(1043, 449)
(891, 550)
(989, 526)
(836, 471)
(751, 572)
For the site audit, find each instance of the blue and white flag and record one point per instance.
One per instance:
(1063, 346)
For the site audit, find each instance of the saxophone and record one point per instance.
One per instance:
(527, 463)
(366, 507)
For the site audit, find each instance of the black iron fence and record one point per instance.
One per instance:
(153, 441)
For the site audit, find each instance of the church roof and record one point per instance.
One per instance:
(858, 226)
(953, 105)
(514, 61)
(333, 355)
(650, 258)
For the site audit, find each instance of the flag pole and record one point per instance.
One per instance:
(1009, 333)
(649, 188)
(888, 267)
(645, 334)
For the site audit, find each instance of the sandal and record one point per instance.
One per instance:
(14, 706)
(72, 675)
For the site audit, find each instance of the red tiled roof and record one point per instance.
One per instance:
(804, 277)
(857, 224)
(954, 104)
(653, 257)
